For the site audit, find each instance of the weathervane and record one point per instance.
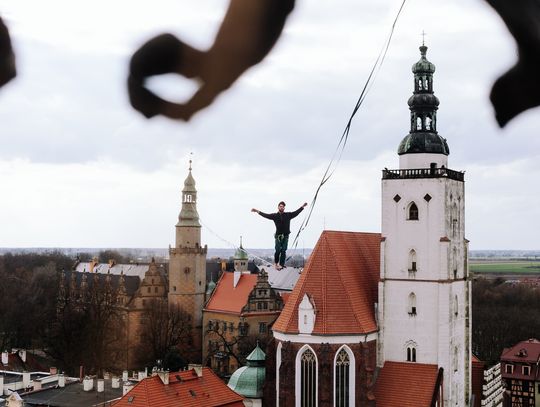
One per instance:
(423, 37)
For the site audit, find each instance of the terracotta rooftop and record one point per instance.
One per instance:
(341, 280)
(524, 351)
(228, 298)
(405, 384)
(184, 389)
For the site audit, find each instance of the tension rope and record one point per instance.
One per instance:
(332, 166)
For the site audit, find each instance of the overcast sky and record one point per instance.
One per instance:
(80, 168)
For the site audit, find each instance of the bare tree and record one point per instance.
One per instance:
(164, 328)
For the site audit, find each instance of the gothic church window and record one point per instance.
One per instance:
(412, 212)
(308, 379)
(344, 386)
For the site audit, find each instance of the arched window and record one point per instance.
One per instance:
(412, 212)
(412, 261)
(411, 353)
(188, 198)
(428, 123)
(418, 123)
(412, 304)
(306, 378)
(344, 378)
(456, 306)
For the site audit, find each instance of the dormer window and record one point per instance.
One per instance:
(526, 370)
(509, 369)
(306, 316)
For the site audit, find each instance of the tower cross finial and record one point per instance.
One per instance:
(423, 37)
(190, 160)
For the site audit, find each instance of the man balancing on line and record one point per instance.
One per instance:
(282, 221)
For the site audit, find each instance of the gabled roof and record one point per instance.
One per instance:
(524, 351)
(227, 297)
(406, 384)
(184, 389)
(341, 280)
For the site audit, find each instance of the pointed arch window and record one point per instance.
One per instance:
(412, 304)
(412, 261)
(412, 212)
(306, 379)
(344, 378)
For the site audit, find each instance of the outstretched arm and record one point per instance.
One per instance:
(248, 32)
(264, 215)
(296, 212)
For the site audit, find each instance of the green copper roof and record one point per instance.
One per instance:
(257, 355)
(210, 287)
(423, 104)
(240, 254)
(423, 65)
(249, 380)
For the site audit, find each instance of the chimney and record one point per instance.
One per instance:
(236, 278)
(26, 379)
(37, 385)
(61, 380)
(141, 375)
(1, 386)
(22, 355)
(164, 376)
(100, 385)
(5, 357)
(125, 376)
(88, 384)
(115, 382)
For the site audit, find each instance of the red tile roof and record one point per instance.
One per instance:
(341, 280)
(402, 384)
(228, 298)
(184, 389)
(531, 352)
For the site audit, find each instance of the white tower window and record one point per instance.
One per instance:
(412, 304)
(412, 212)
(188, 198)
(411, 351)
(412, 261)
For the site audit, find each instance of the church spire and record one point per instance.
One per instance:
(188, 215)
(423, 104)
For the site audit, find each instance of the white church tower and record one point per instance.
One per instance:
(424, 305)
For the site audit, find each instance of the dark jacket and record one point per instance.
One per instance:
(282, 220)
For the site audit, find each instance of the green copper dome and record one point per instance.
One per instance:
(249, 380)
(423, 65)
(423, 104)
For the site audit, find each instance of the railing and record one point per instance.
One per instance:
(440, 172)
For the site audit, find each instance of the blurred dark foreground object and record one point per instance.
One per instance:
(7, 58)
(248, 32)
(519, 88)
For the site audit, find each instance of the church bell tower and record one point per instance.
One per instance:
(424, 288)
(187, 264)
